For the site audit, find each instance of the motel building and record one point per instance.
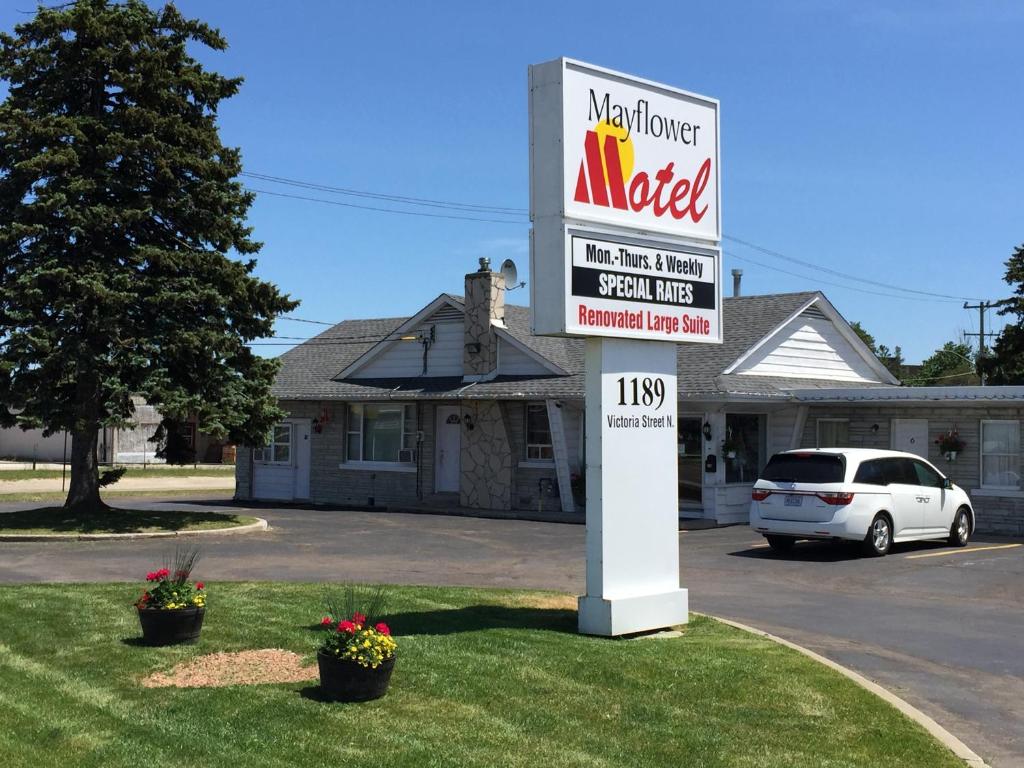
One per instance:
(458, 405)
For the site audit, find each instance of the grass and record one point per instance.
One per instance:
(54, 520)
(110, 496)
(55, 474)
(484, 678)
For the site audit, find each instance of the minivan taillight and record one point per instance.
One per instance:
(836, 499)
(759, 495)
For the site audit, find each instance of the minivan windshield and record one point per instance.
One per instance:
(805, 468)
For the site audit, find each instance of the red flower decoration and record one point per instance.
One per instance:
(326, 621)
(359, 618)
(346, 626)
(383, 628)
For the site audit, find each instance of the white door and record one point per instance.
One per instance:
(910, 435)
(281, 468)
(301, 440)
(449, 449)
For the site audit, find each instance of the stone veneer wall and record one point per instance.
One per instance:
(485, 301)
(486, 474)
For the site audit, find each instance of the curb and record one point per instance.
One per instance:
(259, 525)
(947, 739)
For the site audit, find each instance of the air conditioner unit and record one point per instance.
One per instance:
(406, 456)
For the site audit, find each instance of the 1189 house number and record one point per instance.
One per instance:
(645, 391)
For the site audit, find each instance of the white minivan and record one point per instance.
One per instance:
(857, 494)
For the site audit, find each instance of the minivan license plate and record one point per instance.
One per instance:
(794, 500)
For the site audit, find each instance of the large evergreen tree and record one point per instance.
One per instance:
(125, 260)
(1005, 363)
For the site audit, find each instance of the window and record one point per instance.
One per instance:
(278, 449)
(805, 468)
(378, 432)
(1000, 454)
(899, 471)
(743, 447)
(538, 433)
(188, 433)
(871, 473)
(927, 476)
(833, 433)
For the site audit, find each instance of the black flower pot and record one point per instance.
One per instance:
(170, 627)
(345, 680)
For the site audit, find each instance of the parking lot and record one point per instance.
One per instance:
(941, 627)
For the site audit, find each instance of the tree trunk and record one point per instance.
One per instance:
(84, 490)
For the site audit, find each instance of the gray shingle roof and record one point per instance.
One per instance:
(310, 370)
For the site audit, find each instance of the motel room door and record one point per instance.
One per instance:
(448, 458)
(910, 435)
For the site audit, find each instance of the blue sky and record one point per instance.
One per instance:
(879, 139)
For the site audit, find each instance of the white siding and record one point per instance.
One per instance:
(572, 418)
(29, 445)
(809, 347)
(780, 430)
(405, 358)
(513, 362)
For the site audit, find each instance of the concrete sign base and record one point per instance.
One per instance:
(632, 489)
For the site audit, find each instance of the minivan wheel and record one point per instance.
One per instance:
(879, 538)
(781, 543)
(960, 533)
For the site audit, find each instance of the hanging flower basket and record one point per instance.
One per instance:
(950, 443)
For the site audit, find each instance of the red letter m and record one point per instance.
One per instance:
(591, 167)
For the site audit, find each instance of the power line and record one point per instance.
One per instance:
(778, 255)
(392, 198)
(511, 211)
(384, 210)
(838, 285)
(304, 320)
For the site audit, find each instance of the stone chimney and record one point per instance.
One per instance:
(485, 302)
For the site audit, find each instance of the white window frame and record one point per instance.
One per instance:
(981, 455)
(260, 454)
(539, 461)
(817, 432)
(380, 464)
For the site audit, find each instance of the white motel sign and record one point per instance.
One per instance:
(625, 205)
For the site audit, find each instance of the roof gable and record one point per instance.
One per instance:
(815, 342)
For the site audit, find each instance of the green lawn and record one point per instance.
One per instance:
(50, 520)
(111, 496)
(55, 474)
(484, 678)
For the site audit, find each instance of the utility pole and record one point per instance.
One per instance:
(982, 306)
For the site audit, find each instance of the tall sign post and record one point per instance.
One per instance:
(624, 251)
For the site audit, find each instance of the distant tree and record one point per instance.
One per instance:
(950, 365)
(891, 359)
(866, 337)
(1005, 363)
(120, 211)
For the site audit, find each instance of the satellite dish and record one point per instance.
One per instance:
(510, 273)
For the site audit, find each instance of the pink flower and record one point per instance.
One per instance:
(326, 621)
(383, 628)
(346, 626)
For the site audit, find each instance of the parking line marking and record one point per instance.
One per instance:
(963, 551)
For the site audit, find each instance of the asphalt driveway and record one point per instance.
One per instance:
(941, 627)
